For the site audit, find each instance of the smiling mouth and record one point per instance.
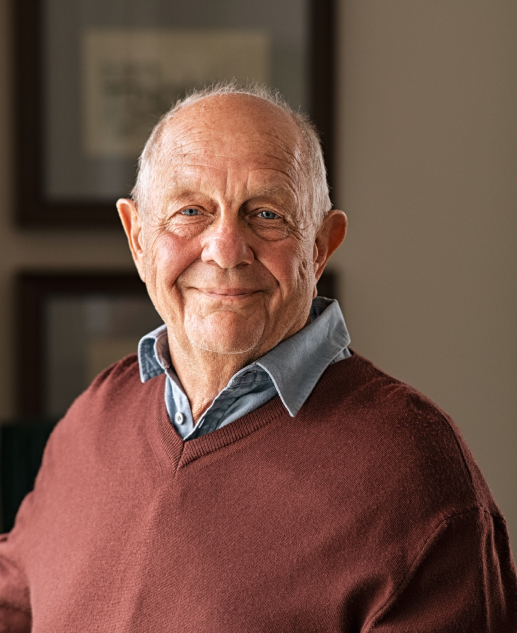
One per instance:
(228, 293)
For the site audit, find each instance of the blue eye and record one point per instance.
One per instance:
(268, 215)
(191, 211)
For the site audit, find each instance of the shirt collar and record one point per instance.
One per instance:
(149, 353)
(306, 354)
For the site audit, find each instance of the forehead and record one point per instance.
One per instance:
(234, 132)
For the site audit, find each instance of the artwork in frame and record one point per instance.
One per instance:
(92, 78)
(128, 78)
(73, 325)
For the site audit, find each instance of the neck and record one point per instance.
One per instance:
(204, 374)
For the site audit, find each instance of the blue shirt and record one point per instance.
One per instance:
(289, 370)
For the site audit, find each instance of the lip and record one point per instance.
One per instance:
(227, 293)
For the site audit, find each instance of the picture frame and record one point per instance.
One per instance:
(79, 103)
(70, 325)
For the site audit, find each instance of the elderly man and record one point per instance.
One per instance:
(247, 472)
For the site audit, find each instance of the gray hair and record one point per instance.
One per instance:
(148, 178)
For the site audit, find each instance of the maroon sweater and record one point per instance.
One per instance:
(365, 512)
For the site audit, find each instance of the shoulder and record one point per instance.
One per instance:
(123, 369)
(398, 439)
(110, 409)
(117, 384)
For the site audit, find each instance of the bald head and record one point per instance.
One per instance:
(225, 119)
(245, 116)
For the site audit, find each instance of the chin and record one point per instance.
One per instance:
(225, 333)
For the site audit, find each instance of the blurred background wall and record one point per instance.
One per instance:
(426, 165)
(427, 173)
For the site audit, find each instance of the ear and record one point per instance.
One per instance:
(132, 224)
(330, 235)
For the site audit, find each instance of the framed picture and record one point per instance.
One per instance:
(73, 325)
(93, 77)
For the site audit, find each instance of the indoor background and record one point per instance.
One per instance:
(426, 171)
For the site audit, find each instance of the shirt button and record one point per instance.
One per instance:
(179, 418)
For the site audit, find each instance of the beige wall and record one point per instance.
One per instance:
(427, 176)
(427, 171)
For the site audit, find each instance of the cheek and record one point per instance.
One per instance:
(168, 257)
(290, 264)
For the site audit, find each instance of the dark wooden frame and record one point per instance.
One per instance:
(32, 210)
(32, 290)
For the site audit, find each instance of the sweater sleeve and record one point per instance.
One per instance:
(15, 612)
(463, 579)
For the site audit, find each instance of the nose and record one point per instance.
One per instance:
(227, 244)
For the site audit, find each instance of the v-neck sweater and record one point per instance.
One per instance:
(365, 512)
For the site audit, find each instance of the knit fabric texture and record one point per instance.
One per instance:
(364, 513)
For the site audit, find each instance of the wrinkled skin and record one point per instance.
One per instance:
(227, 247)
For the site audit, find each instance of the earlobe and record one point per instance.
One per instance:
(132, 224)
(330, 235)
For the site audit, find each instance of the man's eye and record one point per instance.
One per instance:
(191, 211)
(268, 215)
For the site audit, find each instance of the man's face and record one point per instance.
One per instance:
(227, 247)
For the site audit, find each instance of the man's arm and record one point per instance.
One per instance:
(15, 612)
(463, 580)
